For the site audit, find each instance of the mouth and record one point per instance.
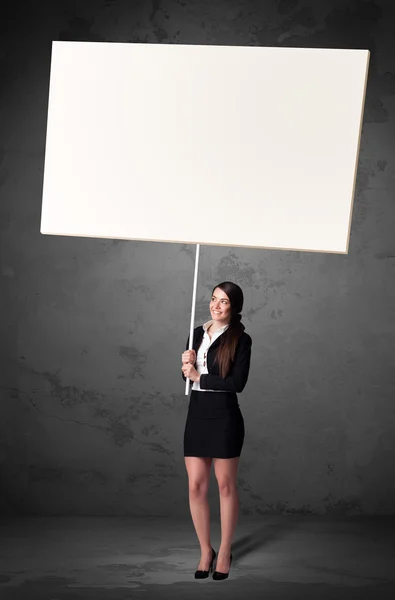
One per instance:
(217, 312)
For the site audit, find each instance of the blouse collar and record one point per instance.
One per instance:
(220, 329)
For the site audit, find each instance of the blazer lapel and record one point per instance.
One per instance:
(215, 343)
(198, 337)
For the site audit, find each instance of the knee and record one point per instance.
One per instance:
(226, 487)
(198, 490)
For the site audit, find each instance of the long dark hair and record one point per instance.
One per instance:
(229, 339)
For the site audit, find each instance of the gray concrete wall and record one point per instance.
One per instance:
(92, 406)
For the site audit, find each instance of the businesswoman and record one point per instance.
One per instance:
(218, 366)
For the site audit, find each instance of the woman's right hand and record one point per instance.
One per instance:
(189, 356)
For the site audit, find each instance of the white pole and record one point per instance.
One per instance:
(193, 311)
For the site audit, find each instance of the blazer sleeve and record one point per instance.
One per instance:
(238, 376)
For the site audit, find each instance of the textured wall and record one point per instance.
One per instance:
(92, 402)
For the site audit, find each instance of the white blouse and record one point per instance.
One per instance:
(201, 361)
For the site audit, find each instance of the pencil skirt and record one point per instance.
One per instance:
(214, 426)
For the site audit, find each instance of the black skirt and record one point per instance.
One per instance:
(214, 426)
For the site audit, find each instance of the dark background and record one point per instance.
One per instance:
(92, 406)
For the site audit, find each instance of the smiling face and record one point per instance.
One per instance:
(221, 303)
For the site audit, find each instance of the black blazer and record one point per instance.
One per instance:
(238, 375)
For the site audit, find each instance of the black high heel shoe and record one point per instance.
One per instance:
(217, 575)
(204, 574)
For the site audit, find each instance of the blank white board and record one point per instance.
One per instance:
(219, 145)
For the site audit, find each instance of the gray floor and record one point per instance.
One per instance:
(122, 558)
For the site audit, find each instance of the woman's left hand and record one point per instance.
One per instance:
(189, 371)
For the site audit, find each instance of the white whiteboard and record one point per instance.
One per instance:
(219, 145)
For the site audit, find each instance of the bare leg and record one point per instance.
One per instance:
(199, 477)
(226, 474)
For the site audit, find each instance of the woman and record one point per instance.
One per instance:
(218, 366)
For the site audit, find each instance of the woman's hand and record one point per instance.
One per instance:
(189, 356)
(189, 371)
(188, 360)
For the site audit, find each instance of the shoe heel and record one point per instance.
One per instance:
(211, 567)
